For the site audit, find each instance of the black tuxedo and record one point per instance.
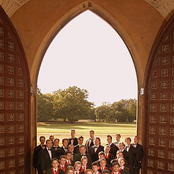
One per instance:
(89, 143)
(76, 149)
(56, 151)
(75, 141)
(37, 149)
(93, 154)
(44, 159)
(114, 149)
(79, 156)
(109, 159)
(133, 158)
(61, 151)
(139, 153)
(126, 157)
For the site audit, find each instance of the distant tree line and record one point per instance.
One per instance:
(71, 104)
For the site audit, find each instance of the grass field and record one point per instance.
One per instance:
(62, 130)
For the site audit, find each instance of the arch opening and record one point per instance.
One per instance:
(81, 49)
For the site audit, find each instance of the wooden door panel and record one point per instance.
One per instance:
(159, 100)
(14, 102)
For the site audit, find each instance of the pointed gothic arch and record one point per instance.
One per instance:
(96, 9)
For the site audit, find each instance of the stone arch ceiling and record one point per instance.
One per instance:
(165, 7)
(10, 6)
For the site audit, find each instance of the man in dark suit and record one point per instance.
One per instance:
(90, 142)
(62, 150)
(117, 137)
(37, 149)
(45, 157)
(80, 143)
(83, 153)
(108, 156)
(94, 150)
(140, 154)
(51, 137)
(114, 148)
(56, 146)
(133, 155)
(73, 139)
(125, 154)
(71, 149)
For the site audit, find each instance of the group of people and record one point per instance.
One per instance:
(75, 157)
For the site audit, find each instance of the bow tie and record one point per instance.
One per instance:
(49, 149)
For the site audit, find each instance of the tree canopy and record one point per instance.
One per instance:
(72, 104)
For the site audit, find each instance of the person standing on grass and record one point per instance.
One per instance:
(37, 149)
(90, 142)
(73, 139)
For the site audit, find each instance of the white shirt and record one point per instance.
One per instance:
(49, 152)
(117, 143)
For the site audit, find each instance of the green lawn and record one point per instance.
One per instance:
(62, 130)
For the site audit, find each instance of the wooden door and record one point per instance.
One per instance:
(159, 100)
(14, 102)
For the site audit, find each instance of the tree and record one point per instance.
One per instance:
(72, 104)
(104, 113)
(44, 106)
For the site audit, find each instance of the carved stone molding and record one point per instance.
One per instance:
(165, 7)
(10, 6)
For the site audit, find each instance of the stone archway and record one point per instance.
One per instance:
(159, 105)
(87, 5)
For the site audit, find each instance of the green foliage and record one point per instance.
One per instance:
(121, 111)
(71, 104)
(44, 106)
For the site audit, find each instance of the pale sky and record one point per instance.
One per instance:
(88, 53)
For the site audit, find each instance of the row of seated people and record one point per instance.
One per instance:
(132, 153)
(81, 167)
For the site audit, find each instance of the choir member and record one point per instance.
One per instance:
(114, 148)
(95, 168)
(90, 142)
(94, 150)
(45, 157)
(54, 169)
(73, 139)
(77, 167)
(117, 137)
(140, 154)
(37, 149)
(80, 143)
(62, 163)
